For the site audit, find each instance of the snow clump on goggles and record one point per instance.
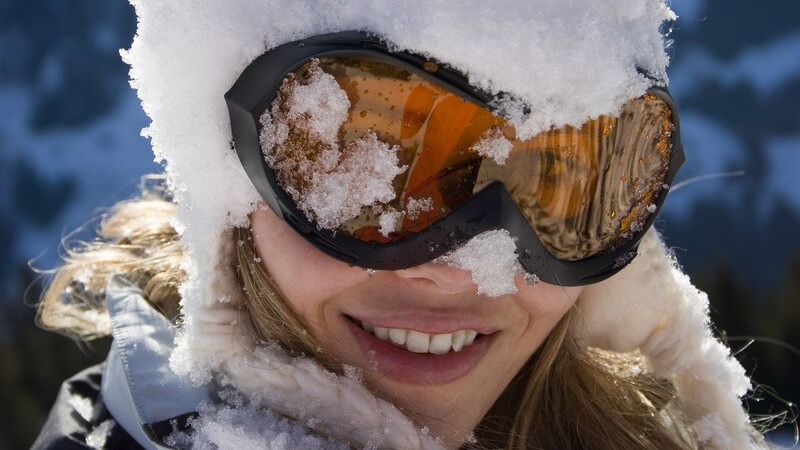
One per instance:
(387, 161)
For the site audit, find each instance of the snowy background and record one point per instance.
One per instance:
(69, 143)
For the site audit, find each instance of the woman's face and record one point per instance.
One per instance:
(434, 308)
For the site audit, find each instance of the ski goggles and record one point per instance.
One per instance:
(388, 160)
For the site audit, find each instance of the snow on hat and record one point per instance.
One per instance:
(567, 61)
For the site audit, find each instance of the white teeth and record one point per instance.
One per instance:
(419, 342)
(458, 340)
(397, 336)
(382, 333)
(470, 337)
(440, 343)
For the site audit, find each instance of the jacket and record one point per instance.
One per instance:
(132, 399)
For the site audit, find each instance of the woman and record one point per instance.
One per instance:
(419, 233)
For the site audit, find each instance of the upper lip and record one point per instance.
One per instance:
(397, 303)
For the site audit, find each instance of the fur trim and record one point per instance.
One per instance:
(300, 388)
(652, 306)
(333, 405)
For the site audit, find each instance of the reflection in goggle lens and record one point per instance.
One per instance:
(583, 189)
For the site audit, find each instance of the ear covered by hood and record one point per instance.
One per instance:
(565, 61)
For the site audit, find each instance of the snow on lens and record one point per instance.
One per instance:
(493, 144)
(330, 181)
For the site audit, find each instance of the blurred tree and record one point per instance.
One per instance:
(764, 329)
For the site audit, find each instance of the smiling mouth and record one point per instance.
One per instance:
(411, 356)
(419, 342)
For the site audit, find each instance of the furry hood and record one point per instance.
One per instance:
(187, 54)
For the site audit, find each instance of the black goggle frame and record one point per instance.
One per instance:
(490, 209)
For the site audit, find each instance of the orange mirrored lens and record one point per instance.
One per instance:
(583, 189)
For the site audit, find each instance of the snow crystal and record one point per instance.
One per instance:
(470, 438)
(390, 221)
(372, 358)
(492, 259)
(493, 144)
(531, 279)
(354, 373)
(416, 206)
(97, 437)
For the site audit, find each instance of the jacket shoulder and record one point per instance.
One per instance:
(79, 418)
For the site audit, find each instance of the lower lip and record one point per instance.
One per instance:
(405, 366)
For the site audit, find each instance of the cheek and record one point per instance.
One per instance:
(545, 304)
(305, 275)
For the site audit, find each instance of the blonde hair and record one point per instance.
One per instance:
(566, 396)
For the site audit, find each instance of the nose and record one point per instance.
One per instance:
(448, 279)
